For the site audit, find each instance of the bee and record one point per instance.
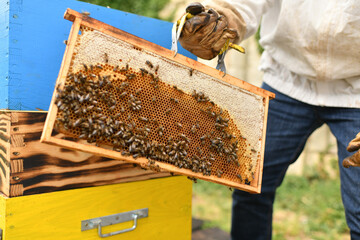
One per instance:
(156, 68)
(122, 109)
(106, 57)
(153, 99)
(116, 68)
(138, 91)
(124, 84)
(59, 103)
(149, 64)
(94, 132)
(77, 122)
(85, 67)
(168, 111)
(191, 72)
(143, 71)
(130, 76)
(240, 177)
(193, 129)
(202, 138)
(123, 94)
(65, 42)
(125, 153)
(82, 136)
(175, 100)
(179, 125)
(85, 13)
(160, 130)
(192, 179)
(143, 119)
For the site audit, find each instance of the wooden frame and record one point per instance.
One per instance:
(82, 20)
(58, 215)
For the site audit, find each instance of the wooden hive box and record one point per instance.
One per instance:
(163, 206)
(29, 167)
(32, 173)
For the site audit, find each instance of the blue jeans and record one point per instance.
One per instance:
(290, 123)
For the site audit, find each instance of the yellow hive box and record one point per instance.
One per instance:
(59, 215)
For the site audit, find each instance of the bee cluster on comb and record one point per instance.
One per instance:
(139, 115)
(136, 103)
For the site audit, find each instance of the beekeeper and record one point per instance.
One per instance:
(312, 63)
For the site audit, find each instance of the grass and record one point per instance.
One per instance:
(305, 208)
(212, 202)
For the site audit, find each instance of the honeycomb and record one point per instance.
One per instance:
(140, 104)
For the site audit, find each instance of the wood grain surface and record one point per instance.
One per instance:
(58, 215)
(36, 167)
(5, 121)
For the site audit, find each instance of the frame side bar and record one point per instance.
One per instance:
(50, 119)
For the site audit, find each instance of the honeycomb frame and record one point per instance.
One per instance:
(255, 98)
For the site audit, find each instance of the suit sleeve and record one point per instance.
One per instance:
(242, 15)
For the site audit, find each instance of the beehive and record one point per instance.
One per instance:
(129, 99)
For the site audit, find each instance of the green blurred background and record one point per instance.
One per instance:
(149, 8)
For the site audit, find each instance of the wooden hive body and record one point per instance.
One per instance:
(32, 173)
(98, 53)
(32, 45)
(59, 215)
(28, 73)
(30, 167)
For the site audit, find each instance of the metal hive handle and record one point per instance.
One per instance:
(134, 216)
(100, 222)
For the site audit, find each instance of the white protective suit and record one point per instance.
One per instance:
(312, 47)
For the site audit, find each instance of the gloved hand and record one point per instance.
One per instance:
(206, 33)
(353, 160)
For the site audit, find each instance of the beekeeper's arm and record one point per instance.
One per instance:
(206, 33)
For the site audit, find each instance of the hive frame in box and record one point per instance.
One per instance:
(79, 20)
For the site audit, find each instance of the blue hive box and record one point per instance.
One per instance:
(32, 45)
